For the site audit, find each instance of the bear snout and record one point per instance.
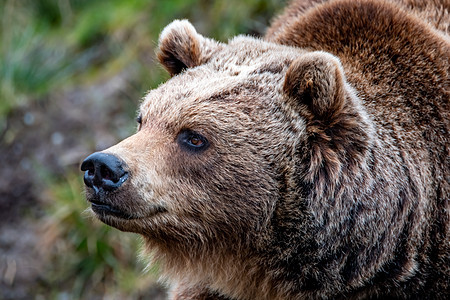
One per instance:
(104, 171)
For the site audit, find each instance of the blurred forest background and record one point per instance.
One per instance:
(72, 73)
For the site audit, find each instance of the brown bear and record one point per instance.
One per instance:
(313, 163)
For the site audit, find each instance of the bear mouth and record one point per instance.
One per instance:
(104, 209)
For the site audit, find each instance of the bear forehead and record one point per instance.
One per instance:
(246, 69)
(244, 53)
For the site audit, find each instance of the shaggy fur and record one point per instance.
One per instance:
(327, 171)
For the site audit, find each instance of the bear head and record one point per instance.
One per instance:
(230, 149)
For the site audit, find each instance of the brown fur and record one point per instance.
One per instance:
(327, 171)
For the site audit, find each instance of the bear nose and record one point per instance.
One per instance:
(103, 171)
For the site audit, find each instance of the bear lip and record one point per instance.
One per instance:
(102, 208)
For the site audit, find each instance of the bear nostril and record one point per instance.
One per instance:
(106, 173)
(87, 165)
(103, 171)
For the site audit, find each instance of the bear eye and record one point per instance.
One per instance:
(192, 141)
(139, 121)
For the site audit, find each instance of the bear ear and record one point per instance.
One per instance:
(316, 81)
(181, 47)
